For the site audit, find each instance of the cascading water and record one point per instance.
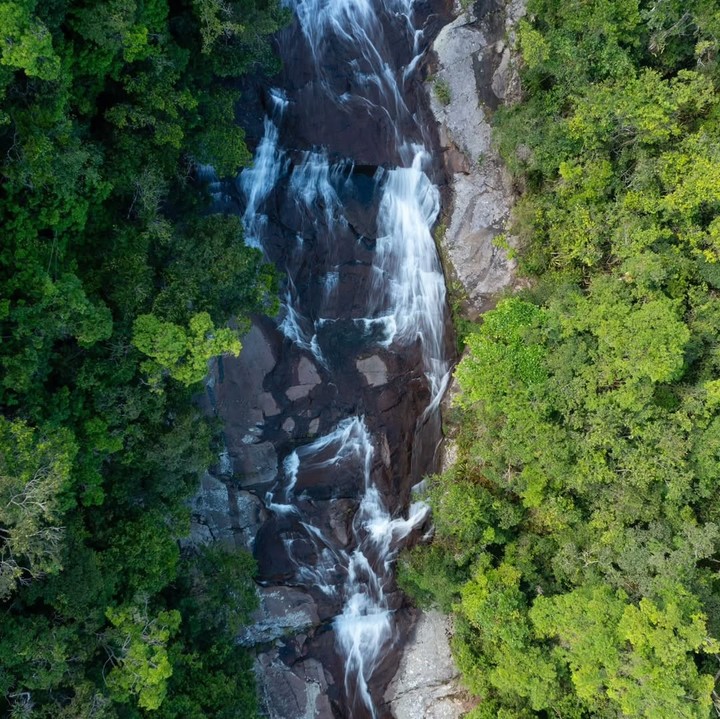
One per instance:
(407, 268)
(349, 222)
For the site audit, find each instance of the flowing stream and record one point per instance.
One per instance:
(341, 197)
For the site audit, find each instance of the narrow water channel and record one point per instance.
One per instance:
(342, 196)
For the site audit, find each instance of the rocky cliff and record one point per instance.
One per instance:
(476, 71)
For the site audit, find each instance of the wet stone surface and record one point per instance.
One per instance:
(283, 611)
(321, 409)
(299, 692)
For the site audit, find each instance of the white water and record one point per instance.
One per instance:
(355, 25)
(409, 287)
(296, 327)
(290, 470)
(312, 185)
(406, 303)
(365, 627)
(407, 272)
(258, 181)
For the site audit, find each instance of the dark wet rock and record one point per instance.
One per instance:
(247, 513)
(489, 17)
(274, 565)
(360, 199)
(222, 513)
(255, 464)
(340, 515)
(385, 450)
(268, 405)
(211, 513)
(306, 377)
(307, 372)
(239, 400)
(344, 480)
(299, 692)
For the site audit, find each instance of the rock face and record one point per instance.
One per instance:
(299, 692)
(307, 379)
(283, 611)
(426, 683)
(223, 513)
(324, 412)
(475, 72)
(374, 370)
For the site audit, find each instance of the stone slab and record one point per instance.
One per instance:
(283, 611)
(426, 684)
(374, 370)
(255, 464)
(299, 692)
(482, 189)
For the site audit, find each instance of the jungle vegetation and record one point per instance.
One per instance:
(117, 284)
(578, 535)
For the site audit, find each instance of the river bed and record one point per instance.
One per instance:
(331, 413)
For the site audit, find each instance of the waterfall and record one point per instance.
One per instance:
(407, 269)
(364, 627)
(320, 202)
(258, 181)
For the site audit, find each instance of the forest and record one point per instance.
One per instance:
(578, 535)
(117, 284)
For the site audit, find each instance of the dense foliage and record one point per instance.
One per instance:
(578, 535)
(116, 287)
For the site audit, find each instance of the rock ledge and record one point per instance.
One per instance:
(476, 71)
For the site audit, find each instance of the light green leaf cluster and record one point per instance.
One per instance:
(141, 662)
(25, 41)
(183, 354)
(35, 481)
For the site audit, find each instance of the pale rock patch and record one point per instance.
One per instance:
(283, 611)
(374, 370)
(482, 191)
(297, 693)
(307, 378)
(426, 685)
